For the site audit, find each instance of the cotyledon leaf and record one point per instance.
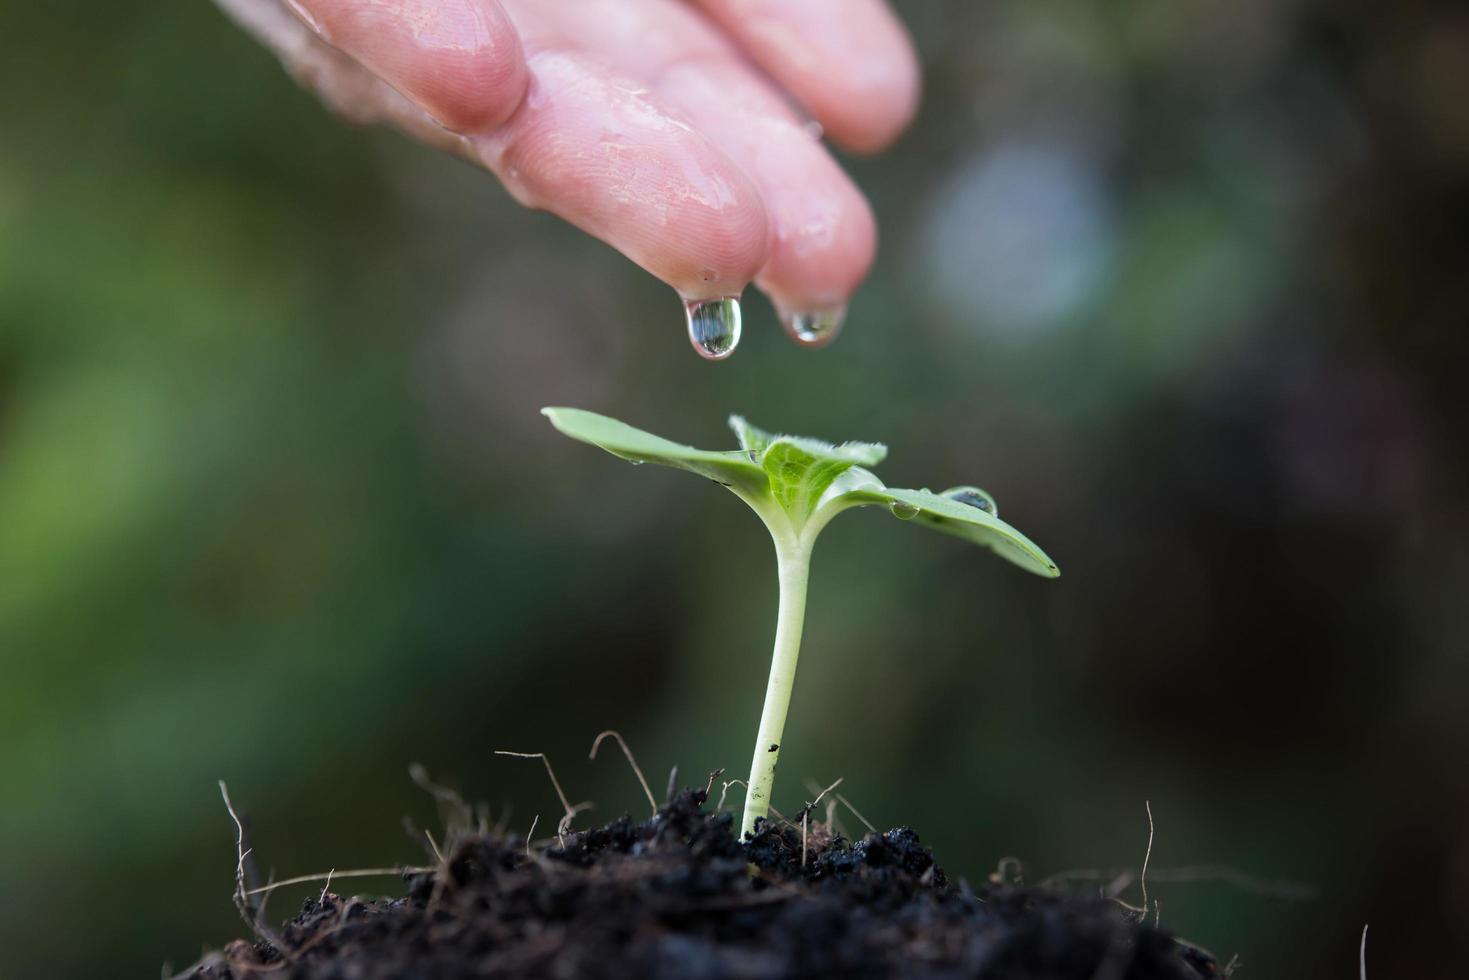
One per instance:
(805, 475)
(753, 439)
(963, 520)
(801, 469)
(733, 469)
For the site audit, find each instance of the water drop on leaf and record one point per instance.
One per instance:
(974, 497)
(904, 512)
(714, 326)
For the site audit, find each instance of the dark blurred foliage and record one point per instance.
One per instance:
(1184, 284)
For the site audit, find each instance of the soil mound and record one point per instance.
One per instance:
(672, 897)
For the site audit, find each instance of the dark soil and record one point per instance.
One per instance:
(672, 898)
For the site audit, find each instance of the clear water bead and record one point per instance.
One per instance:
(974, 497)
(714, 326)
(904, 512)
(814, 328)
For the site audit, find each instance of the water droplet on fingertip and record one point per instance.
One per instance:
(714, 326)
(814, 328)
(904, 512)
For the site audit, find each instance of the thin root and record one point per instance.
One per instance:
(571, 811)
(242, 901)
(806, 816)
(251, 915)
(848, 804)
(326, 887)
(330, 875)
(819, 796)
(725, 789)
(564, 824)
(630, 761)
(1143, 878)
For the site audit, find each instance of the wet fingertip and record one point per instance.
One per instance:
(459, 61)
(868, 110)
(885, 115)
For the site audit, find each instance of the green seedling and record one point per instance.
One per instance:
(797, 485)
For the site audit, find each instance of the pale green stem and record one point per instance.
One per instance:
(793, 555)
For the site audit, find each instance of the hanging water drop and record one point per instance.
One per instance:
(974, 497)
(714, 326)
(814, 328)
(904, 512)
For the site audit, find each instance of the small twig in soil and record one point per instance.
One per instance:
(571, 811)
(1143, 878)
(812, 786)
(529, 834)
(710, 785)
(251, 915)
(241, 901)
(848, 804)
(354, 873)
(806, 816)
(822, 795)
(326, 887)
(1362, 954)
(630, 761)
(725, 789)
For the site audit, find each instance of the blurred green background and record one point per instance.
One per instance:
(1184, 285)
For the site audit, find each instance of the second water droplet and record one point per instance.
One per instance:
(814, 328)
(904, 512)
(714, 326)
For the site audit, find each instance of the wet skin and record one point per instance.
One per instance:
(687, 134)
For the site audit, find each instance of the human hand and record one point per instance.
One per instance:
(662, 127)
